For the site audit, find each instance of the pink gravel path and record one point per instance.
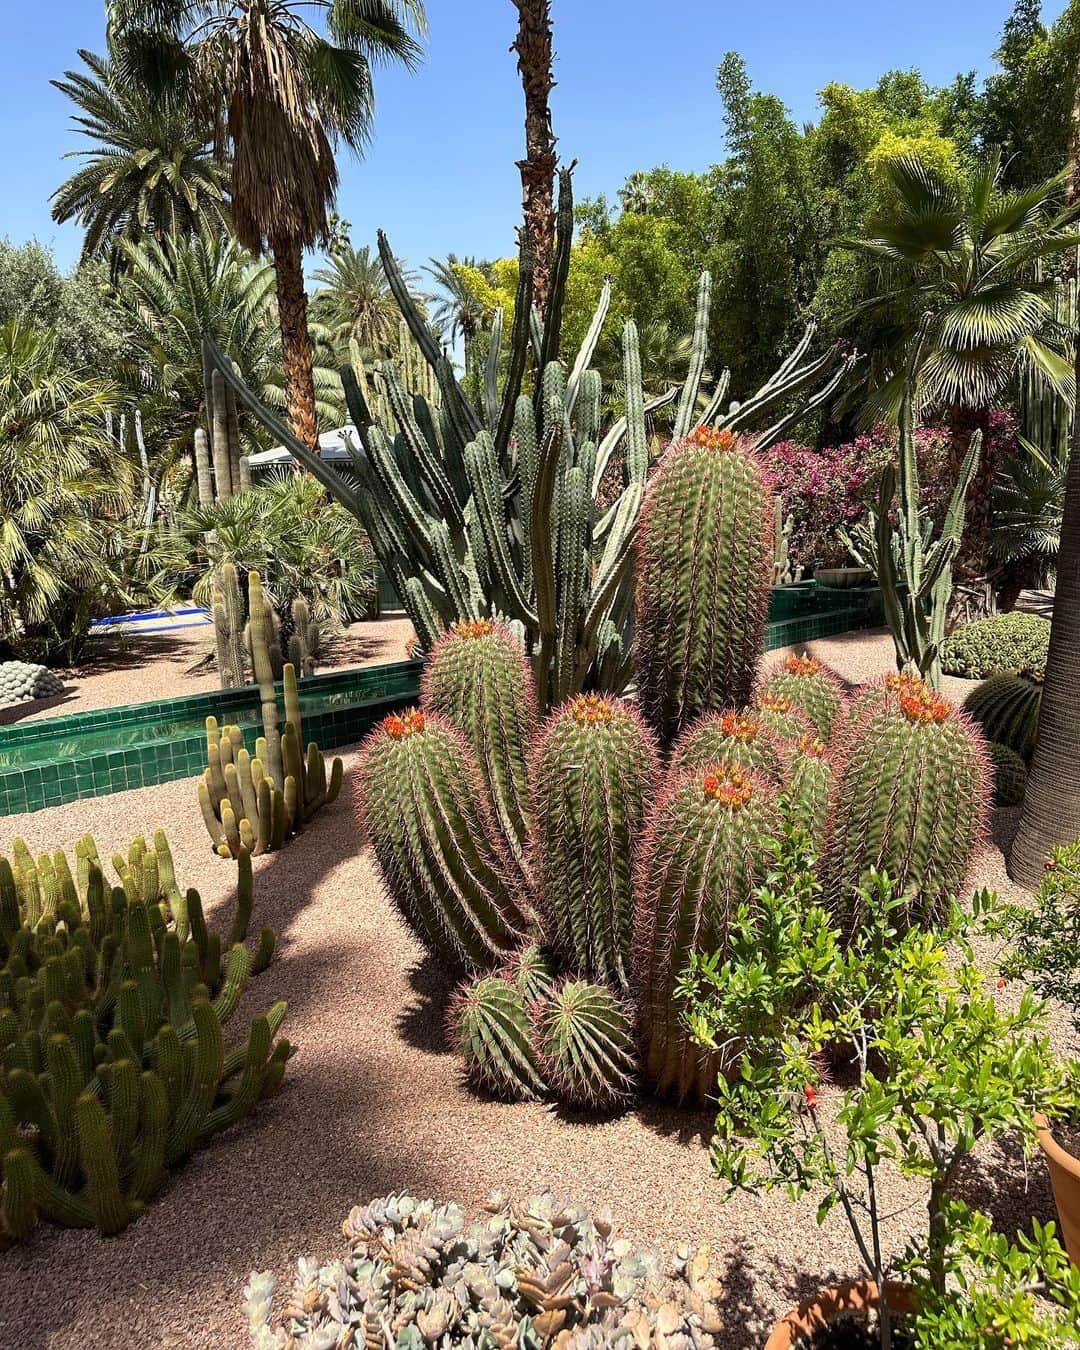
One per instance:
(373, 1103)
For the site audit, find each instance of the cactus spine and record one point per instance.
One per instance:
(1006, 707)
(490, 1028)
(812, 688)
(704, 552)
(732, 737)
(911, 801)
(702, 856)
(593, 778)
(778, 714)
(585, 1042)
(421, 802)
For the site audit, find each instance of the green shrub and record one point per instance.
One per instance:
(1004, 644)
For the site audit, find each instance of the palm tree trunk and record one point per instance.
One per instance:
(534, 53)
(1051, 812)
(295, 340)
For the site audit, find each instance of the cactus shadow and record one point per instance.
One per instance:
(683, 1124)
(18, 712)
(421, 1023)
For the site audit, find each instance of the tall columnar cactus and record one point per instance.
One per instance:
(704, 554)
(811, 687)
(1006, 707)
(593, 777)
(703, 854)
(478, 678)
(228, 612)
(585, 1041)
(911, 801)
(421, 801)
(490, 1027)
(810, 785)
(732, 737)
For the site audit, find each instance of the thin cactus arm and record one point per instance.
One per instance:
(637, 449)
(564, 241)
(614, 438)
(780, 428)
(483, 468)
(744, 416)
(716, 402)
(520, 338)
(588, 344)
(492, 403)
(684, 418)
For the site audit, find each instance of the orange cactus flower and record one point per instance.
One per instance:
(740, 726)
(802, 665)
(810, 745)
(711, 438)
(590, 709)
(401, 726)
(473, 628)
(729, 786)
(775, 703)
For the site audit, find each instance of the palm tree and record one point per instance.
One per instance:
(534, 52)
(1026, 537)
(151, 170)
(354, 300)
(970, 258)
(284, 93)
(456, 311)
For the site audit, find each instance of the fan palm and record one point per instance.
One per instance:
(151, 170)
(285, 93)
(354, 300)
(455, 310)
(1026, 537)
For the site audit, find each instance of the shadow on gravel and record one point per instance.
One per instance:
(421, 1023)
(1008, 1187)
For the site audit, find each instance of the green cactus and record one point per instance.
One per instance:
(585, 1041)
(812, 688)
(489, 1027)
(1010, 774)
(703, 853)
(593, 778)
(532, 970)
(910, 801)
(810, 786)
(437, 848)
(704, 551)
(779, 715)
(478, 678)
(732, 737)
(1006, 707)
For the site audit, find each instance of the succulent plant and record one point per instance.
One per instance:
(22, 681)
(1010, 774)
(704, 556)
(529, 1274)
(732, 737)
(810, 786)
(593, 777)
(910, 801)
(780, 715)
(584, 1038)
(490, 1028)
(1006, 707)
(703, 854)
(811, 687)
(532, 970)
(441, 857)
(1013, 644)
(477, 676)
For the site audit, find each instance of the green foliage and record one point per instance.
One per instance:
(490, 1029)
(1010, 775)
(1045, 934)
(1013, 644)
(1028, 502)
(1006, 708)
(354, 300)
(585, 1041)
(79, 307)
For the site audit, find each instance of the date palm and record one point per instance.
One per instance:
(286, 81)
(151, 170)
(533, 46)
(354, 300)
(455, 311)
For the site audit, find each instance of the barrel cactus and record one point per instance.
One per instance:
(704, 559)
(1006, 707)
(703, 854)
(490, 1027)
(1010, 775)
(477, 676)
(810, 786)
(732, 737)
(532, 970)
(910, 801)
(441, 857)
(811, 687)
(593, 778)
(584, 1037)
(780, 715)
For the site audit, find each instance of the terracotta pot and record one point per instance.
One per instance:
(1065, 1182)
(817, 1312)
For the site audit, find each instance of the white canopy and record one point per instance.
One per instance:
(331, 446)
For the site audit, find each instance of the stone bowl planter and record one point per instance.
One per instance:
(843, 578)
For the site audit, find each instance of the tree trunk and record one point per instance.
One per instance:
(295, 340)
(1051, 812)
(533, 47)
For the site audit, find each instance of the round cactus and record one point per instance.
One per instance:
(1010, 775)
(489, 1026)
(439, 853)
(478, 678)
(811, 785)
(533, 971)
(812, 688)
(778, 714)
(703, 854)
(593, 779)
(22, 681)
(732, 737)
(585, 1041)
(705, 567)
(1007, 709)
(911, 801)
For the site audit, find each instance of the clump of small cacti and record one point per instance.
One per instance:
(22, 681)
(910, 801)
(732, 737)
(489, 1026)
(1006, 707)
(533, 971)
(113, 1066)
(593, 777)
(1010, 775)
(240, 626)
(531, 1273)
(811, 687)
(703, 854)
(810, 786)
(704, 558)
(477, 676)
(441, 857)
(585, 1043)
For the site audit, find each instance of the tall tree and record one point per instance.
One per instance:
(284, 93)
(354, 299)
(1051, 811)
(534, 52)
(457, 311)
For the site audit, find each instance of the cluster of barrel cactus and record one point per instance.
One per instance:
(113, 1066)
(1003, 644)
(21, 681)
(529, 1274)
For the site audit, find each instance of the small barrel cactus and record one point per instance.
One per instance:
(811, 687)
(782, 717)
(532, 970)
(584, 1037)
(705, 563)
(732, 737)
(810, 786)
(593, 778)
(1006, 707)
(911, 801)
(1010, 775)
(22, 681)
(437, 848)
(704, 852)
(477, 676)
(489, 1025)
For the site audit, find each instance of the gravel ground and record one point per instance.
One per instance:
(374, 1103)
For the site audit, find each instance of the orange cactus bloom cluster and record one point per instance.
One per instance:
(402, 726)
(802, 665)
(918, 702)
(473, 628)
(776, 703)
(713, 439)
(810, 745)
(729, 786)
(590, 709)
(740, 726)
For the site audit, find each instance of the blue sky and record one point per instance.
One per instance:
(635, 89)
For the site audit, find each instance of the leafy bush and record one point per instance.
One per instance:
(1046, 934)
(1013, 644)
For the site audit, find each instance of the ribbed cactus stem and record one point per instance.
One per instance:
(812, 688)
(202, 468)
(489, 1026)
(732, 737)
(260, 618)
(586, 1045)
(220, 440)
